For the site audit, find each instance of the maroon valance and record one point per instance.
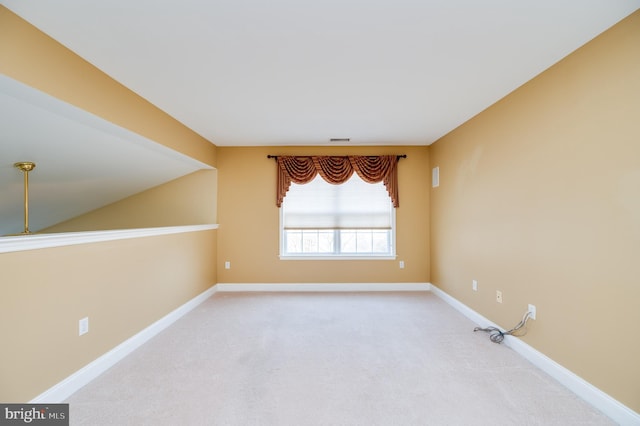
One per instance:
(337, 170)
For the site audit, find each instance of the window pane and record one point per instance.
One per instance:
(325, 241)
(293, 241)
(309, 241)
(364, 242)
(380, 241)
(348, 241)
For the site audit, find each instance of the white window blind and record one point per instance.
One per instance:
(352, 205)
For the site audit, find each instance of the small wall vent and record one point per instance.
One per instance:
(435, 177)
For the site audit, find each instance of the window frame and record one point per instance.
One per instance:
(337, 256)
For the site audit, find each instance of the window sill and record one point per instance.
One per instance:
(39, 241)
(346, 257)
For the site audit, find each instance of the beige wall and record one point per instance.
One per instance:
(122, 286)
(540, 198)
(189, 200)
(249, 218)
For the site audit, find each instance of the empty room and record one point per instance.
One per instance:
(320, 213)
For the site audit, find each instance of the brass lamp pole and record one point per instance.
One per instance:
(26, 167)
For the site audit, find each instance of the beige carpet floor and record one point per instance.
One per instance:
(326, 359)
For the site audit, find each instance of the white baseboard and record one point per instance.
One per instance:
(611, 407)
(617, 411)
(322, 287)
(77, 380)
(80, 378)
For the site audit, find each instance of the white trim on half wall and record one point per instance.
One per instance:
(40, 241)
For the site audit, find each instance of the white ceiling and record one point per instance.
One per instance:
(279, 72)
(285, 72)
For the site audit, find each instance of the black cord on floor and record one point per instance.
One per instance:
(497, 336)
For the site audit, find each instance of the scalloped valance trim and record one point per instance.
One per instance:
(337, 170)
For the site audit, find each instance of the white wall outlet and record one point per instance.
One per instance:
(474, 285)
(227, 265)
(402, 264)
(498, 296)
(83, 326)
(532, 311)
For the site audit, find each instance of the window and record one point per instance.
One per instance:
(354, 219)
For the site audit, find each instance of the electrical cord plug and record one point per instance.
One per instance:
(497, 336)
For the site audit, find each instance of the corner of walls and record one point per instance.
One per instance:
(249, 221)
(65, 388)
(538, 199)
